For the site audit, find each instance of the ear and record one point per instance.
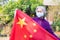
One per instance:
(45, 14)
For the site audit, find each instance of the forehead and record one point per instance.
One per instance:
(39, 9)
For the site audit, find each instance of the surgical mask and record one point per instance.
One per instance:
(39, 14)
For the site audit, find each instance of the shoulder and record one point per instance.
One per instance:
(46, 21)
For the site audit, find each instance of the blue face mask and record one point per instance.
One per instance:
(39, 14)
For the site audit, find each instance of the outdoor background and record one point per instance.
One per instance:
(7, 8)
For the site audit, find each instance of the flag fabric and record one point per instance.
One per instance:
(25, 28)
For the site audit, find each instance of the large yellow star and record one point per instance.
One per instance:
(21, 22)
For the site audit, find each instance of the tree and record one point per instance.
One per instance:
(7, 11)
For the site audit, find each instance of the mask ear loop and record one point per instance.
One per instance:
(45, 14)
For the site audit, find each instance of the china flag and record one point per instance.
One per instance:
(25, 28)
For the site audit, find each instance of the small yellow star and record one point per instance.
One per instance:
(31, 36)
(25, 36)
(34, 24)
(21, 22)
(35, 30)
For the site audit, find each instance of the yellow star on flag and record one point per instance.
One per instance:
(21, 22)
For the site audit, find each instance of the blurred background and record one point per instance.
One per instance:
(7, 9)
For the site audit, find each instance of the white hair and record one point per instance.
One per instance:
(41, 7)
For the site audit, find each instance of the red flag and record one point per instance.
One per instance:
(25, 28)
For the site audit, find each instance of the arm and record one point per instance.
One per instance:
(49, 29)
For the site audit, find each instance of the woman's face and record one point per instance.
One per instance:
(39, 12)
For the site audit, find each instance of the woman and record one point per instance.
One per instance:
(40, 14)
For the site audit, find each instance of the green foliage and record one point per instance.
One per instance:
(8, 9)
(56, 22)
